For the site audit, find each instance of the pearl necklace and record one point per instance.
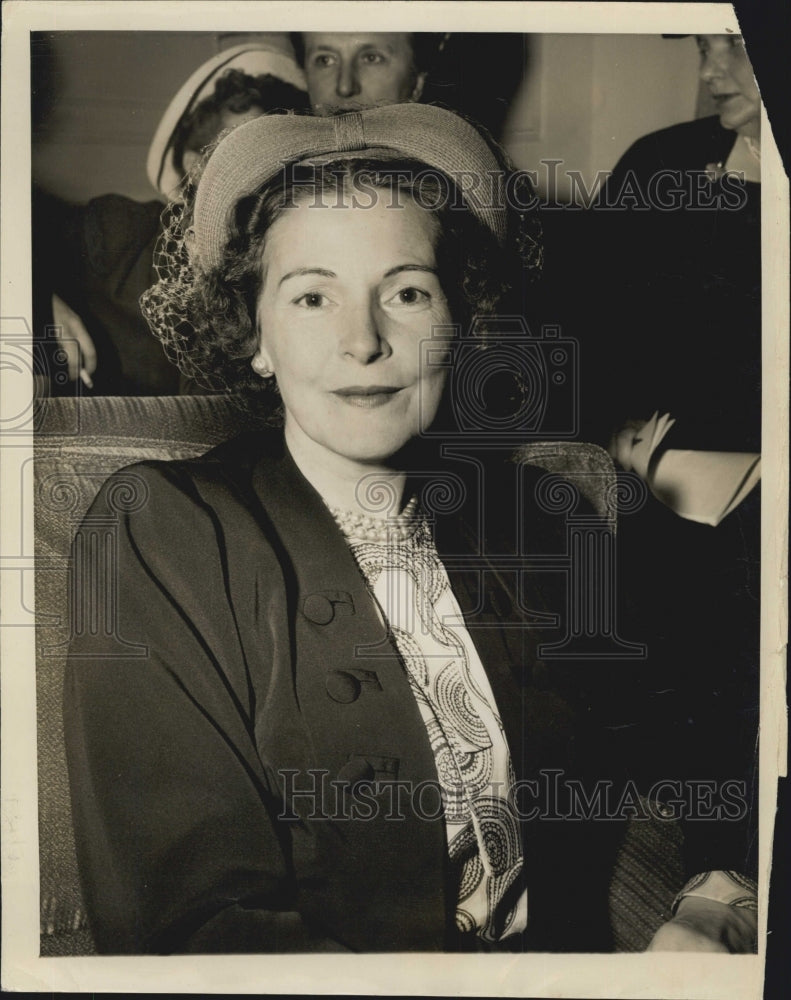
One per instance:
(364, 527)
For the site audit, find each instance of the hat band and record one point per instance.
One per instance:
(349, 132)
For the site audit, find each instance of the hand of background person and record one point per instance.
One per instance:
(706, 925)
(75, 341)
(622, 442)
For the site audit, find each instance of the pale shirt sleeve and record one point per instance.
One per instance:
(722, 887)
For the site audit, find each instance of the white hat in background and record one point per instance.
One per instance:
(253, 58)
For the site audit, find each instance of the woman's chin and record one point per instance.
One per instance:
(742, 120)
(392, 454)
(374, 455)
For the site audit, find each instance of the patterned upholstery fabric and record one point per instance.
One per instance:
(647, 869)
(78, 444)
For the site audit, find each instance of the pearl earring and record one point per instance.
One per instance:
(260, 368)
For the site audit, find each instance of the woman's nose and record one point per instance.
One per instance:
(364, 340)
(711, 66)
(347, 83)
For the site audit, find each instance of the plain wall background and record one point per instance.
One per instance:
(584, 100)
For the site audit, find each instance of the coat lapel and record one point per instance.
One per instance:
(387, 868)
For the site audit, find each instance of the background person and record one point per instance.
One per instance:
(683, 305)
(98, 258)
(346, 71)
(259, 576)
(680, 220)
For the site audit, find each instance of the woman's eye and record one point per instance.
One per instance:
(311, 300)
(323, 60)
(372, 57)
(409, 296)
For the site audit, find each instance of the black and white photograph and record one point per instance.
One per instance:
(394, 499)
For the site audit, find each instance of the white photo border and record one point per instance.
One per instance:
(657, 975)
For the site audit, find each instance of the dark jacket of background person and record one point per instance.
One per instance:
(677, 292)
(680, 304)
(286, 666)
(98, 258)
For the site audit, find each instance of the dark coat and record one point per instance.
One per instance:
(238, 654)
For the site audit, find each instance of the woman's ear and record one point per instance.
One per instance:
(417, 90)
(261, 364)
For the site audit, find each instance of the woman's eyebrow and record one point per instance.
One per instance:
(410, 267)
(307, 270)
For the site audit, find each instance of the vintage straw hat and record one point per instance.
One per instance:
(253, 58)
(255, 152)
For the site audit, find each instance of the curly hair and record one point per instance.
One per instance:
(237, 92)
(218, 335)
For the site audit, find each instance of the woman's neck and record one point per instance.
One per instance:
(745, 158)
(752, 129)
(373, 489)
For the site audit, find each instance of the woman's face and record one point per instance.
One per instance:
(727, 72)
(350, 294)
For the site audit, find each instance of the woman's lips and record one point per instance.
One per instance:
(367, 396)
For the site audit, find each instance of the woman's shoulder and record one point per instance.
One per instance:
(684, 146)
(207, 486)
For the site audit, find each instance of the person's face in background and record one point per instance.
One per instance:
(728, 73)
(346, 71)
